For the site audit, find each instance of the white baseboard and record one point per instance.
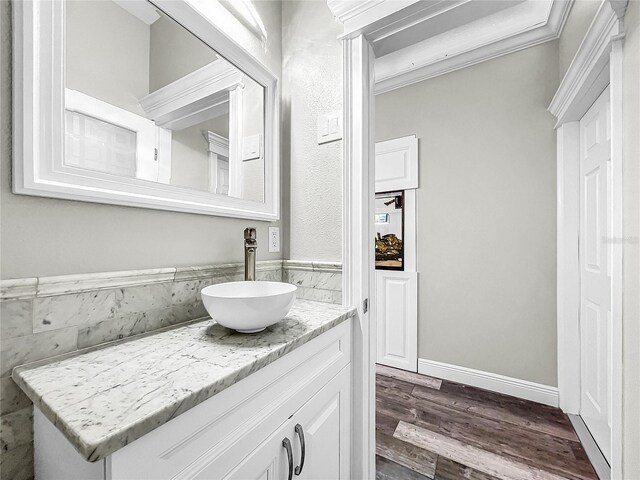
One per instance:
(535, 392)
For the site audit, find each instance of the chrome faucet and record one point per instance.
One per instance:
(250, 246)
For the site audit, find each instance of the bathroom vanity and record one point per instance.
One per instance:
(200, 402)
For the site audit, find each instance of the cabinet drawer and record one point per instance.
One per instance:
(238, 418)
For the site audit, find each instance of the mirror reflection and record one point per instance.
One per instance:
(147, 101)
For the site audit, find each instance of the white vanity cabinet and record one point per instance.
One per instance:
(322, 423)
(239, 432)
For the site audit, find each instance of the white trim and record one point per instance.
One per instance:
(217, 143)
(345, 10)
(358, 15)
(142, 9)
(218, 146)
(568, 265)
(522, 26)
(588, 73)
(515, 387)
(474, 32)
(194, 98)
(590, 446)
(358, 250)
(411, 230)
(617, 249)
(597, 63)
(38, 125)
(236, 104)
(247, 15)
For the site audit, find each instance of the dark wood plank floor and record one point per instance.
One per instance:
(428, 428)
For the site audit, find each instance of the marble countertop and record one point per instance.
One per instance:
(102, 399)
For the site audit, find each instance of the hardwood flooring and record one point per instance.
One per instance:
(428, 428)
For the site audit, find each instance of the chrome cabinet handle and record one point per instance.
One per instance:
(300, 433)
(286, 443)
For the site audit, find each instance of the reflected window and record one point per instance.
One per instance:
(389, 227)
(99, 146)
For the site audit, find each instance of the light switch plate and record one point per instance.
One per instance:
(330, 127)
(252, 147)
(274, 239)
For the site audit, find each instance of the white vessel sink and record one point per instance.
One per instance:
(248, 307)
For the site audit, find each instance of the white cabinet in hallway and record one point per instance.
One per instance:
(396, 311)
(396, 291)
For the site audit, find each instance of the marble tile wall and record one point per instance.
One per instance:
(44, 317)
(320, 281)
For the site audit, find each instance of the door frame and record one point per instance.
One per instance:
(603, 45)
(358, 256)
(597, 64)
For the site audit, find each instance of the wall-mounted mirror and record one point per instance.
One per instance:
(147, 104)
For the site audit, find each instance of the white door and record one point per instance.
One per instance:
(595, 272)
(396, 293)
(397, 314)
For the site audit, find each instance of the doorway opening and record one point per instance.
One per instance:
(574, 98)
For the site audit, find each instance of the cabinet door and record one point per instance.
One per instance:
(325, 422)
(267, 462)
(397, 319)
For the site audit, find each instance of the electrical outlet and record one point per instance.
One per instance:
(274, 239)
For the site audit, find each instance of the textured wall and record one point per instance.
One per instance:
(631, 269)
(42, 236)
(580, 17)
(312, 85)
(486, 212)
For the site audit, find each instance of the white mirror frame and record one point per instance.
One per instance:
(38, 119)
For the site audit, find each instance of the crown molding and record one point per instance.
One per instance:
(588, 70)
(345, 10)
(525, 25)
(469, 32)
(198, 96)
(143, 10)
(360, 16)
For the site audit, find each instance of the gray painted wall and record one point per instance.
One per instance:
(580, 17)
(312, 85)
(174, 53)
(42, 236)
(631, 268)
(486, 212)
(109, 76)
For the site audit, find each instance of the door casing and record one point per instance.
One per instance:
(597, 63)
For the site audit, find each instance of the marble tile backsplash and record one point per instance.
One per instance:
(319, 281)
(44, 317)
